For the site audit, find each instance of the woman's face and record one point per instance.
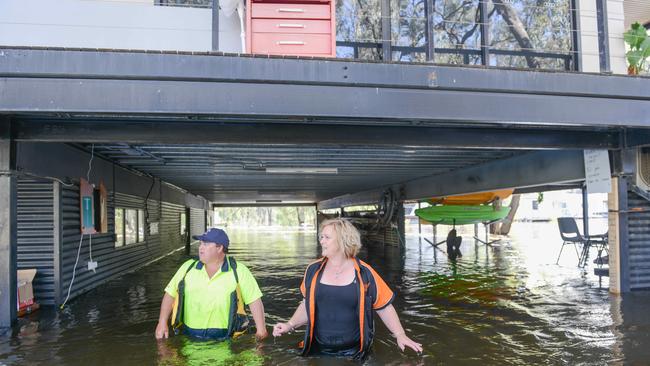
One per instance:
(328, 242)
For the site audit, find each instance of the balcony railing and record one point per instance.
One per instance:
(511, 33)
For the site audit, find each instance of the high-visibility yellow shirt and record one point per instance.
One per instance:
(207, 300)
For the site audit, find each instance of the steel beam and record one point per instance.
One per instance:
(548, 188)
(8, 226)
(265, 133)
(636, 137)
(354, 199)
(262, 204)
(205, 67)
(529, 170)
(93, 97)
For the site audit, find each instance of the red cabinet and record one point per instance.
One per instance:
(291, 27)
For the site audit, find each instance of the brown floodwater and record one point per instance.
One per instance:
(503, 305)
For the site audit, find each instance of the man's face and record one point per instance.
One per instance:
(209, 252)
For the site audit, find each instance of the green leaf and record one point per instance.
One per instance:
(641, 36)
(634, 57)
(629, 37)
(645, 48)
(635, 36)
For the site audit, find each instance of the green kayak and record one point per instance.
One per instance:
(461, 215)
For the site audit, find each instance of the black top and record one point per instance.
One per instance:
(337, 315)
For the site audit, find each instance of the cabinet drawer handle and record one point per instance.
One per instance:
(298, 43)
(290, 10)
(285, 25)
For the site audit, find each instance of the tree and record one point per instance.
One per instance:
(503, 227)
(517, 29)
(300, 215)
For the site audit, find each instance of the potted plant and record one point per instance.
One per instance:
(639, 42)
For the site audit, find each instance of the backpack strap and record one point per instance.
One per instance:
(177, 320)
(233, 264)
(238, 320)
(189, 268)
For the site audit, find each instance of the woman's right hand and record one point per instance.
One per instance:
(281, 328)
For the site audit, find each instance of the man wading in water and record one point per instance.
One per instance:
(207, 296)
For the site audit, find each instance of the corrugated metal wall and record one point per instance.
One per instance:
(639, 242)
(170, 225)
(113, 261)
(35, 237)
(197, 221)
(102, 247)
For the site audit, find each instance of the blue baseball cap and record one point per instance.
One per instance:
(214, 235)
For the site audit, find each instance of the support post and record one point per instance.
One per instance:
(188, 231)
(386, 47)
(8, 226)
(575, 38)
(485, 33)
(401, 227)
(430, 36)
(585, 211)
(419, 224)
(603, 35)
(435, 231)
(619, 275)
(57, 240)
(215, 25)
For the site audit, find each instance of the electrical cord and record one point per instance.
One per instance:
(90, 241)
(74, 271)
(90, 167)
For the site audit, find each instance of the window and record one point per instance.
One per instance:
(408, 28)
(183, 224)
(101, 208)
(358, 29)
(129, 226)
(518, 33)
(535, 205)
(457, 31)
(141, 225)
(531, 33)
(119, 227)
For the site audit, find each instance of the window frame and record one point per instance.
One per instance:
(140, 235)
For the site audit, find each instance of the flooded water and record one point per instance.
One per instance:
(507, 305)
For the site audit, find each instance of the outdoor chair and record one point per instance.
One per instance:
(601, 242)
(570, 236)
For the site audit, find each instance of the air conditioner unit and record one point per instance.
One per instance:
(643, 169)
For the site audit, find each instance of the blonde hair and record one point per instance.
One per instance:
(347, 236)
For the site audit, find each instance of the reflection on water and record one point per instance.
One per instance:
(507, 304)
